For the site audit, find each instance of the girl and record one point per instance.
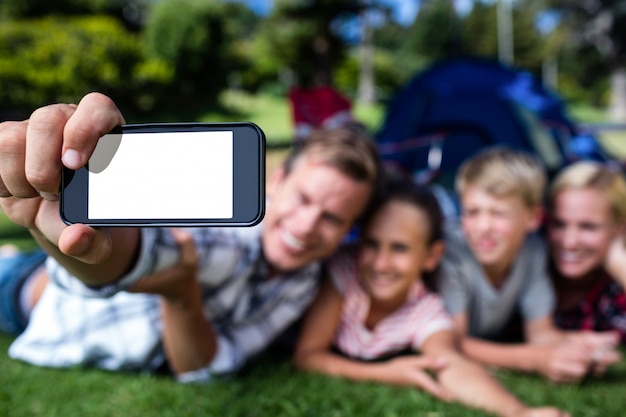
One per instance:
(377, 303)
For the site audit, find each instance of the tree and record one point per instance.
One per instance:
(129, 12)
(437, 32)
(306, 35)
(192, 36)
(602, 25)
(43, 60)
(481, 35)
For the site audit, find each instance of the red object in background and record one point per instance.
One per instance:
(318, 107)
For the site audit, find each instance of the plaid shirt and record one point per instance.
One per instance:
(112, 329)
(603, 308)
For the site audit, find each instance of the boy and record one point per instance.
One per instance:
(495, 268)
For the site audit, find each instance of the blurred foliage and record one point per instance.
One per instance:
(306, 37)
(593, 50)
(172, 59)
(437, 32)
(39, 8)
(55, 59)
(480, 33)
(584, 77)
(191, 35)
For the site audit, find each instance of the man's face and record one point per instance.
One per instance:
(495, 226)
(580, 231)
(310, 211)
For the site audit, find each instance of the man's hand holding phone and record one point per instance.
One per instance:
(32, 155)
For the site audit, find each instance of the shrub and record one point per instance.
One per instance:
(59, 59)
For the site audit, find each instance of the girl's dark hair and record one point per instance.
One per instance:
(421, 197)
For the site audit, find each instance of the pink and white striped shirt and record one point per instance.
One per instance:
(422, 315)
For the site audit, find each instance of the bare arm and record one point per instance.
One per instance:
(517, 357)
(313, 351)
(188, 336)
(557, 355)
(32, 155)
(484, 391)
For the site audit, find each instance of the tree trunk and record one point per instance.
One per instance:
(617, 109)
(367, 93)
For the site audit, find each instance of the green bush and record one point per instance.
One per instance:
(192, 36)
(62, 58)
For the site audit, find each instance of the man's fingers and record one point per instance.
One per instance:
(78, 241)
(172, 281)
(95, 116)
(84, 243)
(44, 138)
(12, 155)
(188, 254)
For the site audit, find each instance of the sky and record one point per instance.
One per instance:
(404, 11)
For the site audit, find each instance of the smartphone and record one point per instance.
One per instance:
(164, 174)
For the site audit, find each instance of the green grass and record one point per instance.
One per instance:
(11, 233)
(269, 388)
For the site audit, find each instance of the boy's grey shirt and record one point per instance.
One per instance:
(465, 288)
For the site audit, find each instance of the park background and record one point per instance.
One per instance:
(210, 60)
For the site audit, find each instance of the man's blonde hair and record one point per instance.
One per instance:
(501, 171)
(589, 174)
(350, 150)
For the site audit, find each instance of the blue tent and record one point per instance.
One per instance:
(456, 108)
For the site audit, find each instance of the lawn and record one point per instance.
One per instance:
(268, 388)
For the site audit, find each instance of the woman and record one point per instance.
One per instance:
(586, 232)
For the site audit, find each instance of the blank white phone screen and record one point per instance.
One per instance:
(166, 175)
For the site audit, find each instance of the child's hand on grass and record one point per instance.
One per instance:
(563, 362)
(413, 371)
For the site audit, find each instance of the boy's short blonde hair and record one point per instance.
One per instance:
(589, 174)
(502, 172)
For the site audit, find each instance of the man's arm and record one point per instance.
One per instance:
(32, 155)
(188, 335)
